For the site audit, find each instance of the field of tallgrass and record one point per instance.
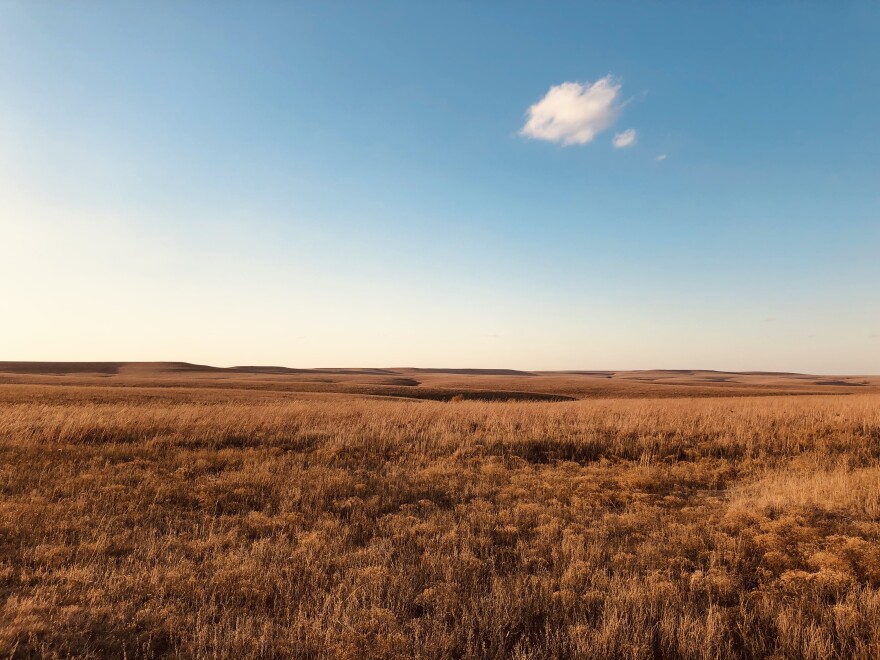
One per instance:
(239, 525)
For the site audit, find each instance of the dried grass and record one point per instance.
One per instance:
(237, 525)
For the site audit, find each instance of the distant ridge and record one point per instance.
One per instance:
(58, 368)
(293, 370)
(658, 376)
(115, 367)
(61, 367)
(473, 372)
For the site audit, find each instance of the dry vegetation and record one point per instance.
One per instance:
(256, 524)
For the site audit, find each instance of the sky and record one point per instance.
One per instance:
(630, 185)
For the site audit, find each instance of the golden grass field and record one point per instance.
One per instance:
(164, 510)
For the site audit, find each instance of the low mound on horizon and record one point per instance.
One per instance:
(440, 383)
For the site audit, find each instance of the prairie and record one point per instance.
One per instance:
(165, 512)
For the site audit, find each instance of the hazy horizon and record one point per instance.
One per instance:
(423, 368)
(336, 185)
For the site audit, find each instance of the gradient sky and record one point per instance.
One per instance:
(355, 184)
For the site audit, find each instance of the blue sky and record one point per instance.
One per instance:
(329, 184)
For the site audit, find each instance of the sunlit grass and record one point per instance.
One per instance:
(260, 526)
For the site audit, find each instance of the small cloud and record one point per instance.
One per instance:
(625, 139)
(574, 113)
(770, 319)
(661, 157)
(876, 335)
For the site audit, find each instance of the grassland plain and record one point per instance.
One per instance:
(233, 519)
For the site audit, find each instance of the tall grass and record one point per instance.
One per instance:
(261, 526)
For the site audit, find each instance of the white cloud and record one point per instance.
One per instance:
(625, 139)
(661, 157)
(574, 113)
